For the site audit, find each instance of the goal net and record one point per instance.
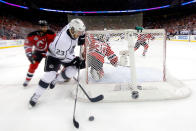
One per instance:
(119, 62)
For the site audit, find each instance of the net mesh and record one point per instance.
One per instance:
(120, 62)
(109, 61)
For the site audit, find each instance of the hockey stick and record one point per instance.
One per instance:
(76, 123)
(95, 99)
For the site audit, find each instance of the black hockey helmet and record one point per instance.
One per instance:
(43, 23)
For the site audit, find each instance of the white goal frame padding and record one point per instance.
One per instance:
(168, 89)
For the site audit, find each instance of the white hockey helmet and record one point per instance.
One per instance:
(77, 25)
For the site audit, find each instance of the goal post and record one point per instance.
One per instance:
(121, 61)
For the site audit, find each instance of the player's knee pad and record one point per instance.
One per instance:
(33, 67)
(63, 75)
(70, 71)
(43, 84)
(48, 77)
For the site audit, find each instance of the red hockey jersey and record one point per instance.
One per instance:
(100, 49)
(38, 41)
(144, 37)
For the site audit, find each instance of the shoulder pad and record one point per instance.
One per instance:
(33, 33)
(50, 32)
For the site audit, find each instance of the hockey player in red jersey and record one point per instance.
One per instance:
(97, 50)
(142, 40)
(36, 46)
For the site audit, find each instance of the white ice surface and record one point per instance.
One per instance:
(55, 110)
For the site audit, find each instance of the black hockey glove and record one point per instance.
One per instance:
(81, 40)
(78, 62)
(30, 58)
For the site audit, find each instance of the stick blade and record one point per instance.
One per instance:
(76, 124)
(98, 98)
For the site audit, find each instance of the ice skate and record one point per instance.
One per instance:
(144, 53)
(33, 101)
(26, 83)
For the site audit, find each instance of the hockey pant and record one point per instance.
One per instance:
(48, 77)
(38, 56)
(144, 44)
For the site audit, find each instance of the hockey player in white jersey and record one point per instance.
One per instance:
(61, 52)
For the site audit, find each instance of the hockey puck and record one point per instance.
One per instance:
(91, 118)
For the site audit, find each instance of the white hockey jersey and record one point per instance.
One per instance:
(63, 46)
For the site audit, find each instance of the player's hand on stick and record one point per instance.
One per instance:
(78, 62)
